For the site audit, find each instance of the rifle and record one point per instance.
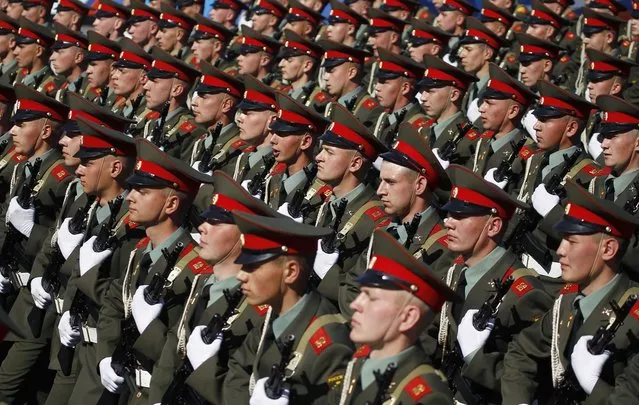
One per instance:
(505, 169)
(350, 104)
(79, 312)
(490, 308)
(447, 151)
(156, 289)
(411, 229)
(568, 391)
(274, 384)
(632, 205)
(383, 380)
(271, 77)
(104, 94)
(205, 162)
(178, 392)
(104, 240)
(156, 136)
(295, 206)
(257, 185)
(135, 104)
(328, 242)
(3, 145)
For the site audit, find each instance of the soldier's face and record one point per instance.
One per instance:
(288, 148)
(158, 91)
(147, 205)
(361, 7)
(262, 283)
(221, 15)
(98, 72)
(105, 25)
(14, 10)
(417, 53)
(142, 31)
(253, 125)
(603, 87)
(26, 54)
(333, 164)
(493, 113)
(217, 240)
(26, 136)
(95, 174)
(295, 67)
(382, 40)
(126, 80)
(618, 150)
(447, 20)
(205, 49)
(337, 32)
(397, 189)
(7, 44)
(65, 59)
(597, 41)
(249, 63)
(435, 101)
(466, 234)
(261, 21)
(336, 79)
(33, 14)
(540, 31)
(634, 27)
(579, 256)
(66, 18)
(532, 72)
(70, 146)
(376, 315)
(207, 108)
(550, 132)
(387, 92)
(302, 28)
(472, 57)
(167, 38)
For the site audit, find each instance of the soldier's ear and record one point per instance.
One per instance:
(513, 111)
(547, 66)
(292, 270)
(79, 57)
(421, 185)
(350, 30)
(436, 49)
(609, 248)
(409, 316)
(395, 38)
(494, 227)
(180, 34)
(75, 19)
(118, 24)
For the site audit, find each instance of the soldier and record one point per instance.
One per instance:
(162, 191)
(343, 75)
(293, 140)
(443, 90)
(595, 235)
(395, 89)
(9, 157)
(67, 60)
(142, 26)
(37, 11)
(276, 263)
(14, 9)
(451, 19)
(166, 91)
(32, 54)
(299, 60)
(110, 19)
(71, 14)
(8, 63)
(257, 55)
(210, 42)
(359, 6)
(101, 56)
(191, 8)
(266, 17)
(544, 23)
(173, 33)
(301, 20)
(478, 215)
(537, 58)
(343, 24)
(347, 154)
(505, 102)
(38, 122)
(225, 12)
(220, 245)
(384, 32)
(500, 22)
(424, 39)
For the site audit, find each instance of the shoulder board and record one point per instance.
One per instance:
(96, 90)
(421, 122)
(510, 58)
(521, 287)
(143, 242)
(564, 59)
(596, 170)
(19, 158)
(320, 341)
(370, 103)
(50, 87)
(130, 224)
(384, 223)
(527, 152)
(424, 14)
(261, 309)
(634, 311)
(64, 85)
(321, 97)
(417, 388)
(187, 126)
(278, 169)
(518, 28)
(60, 173)
(472, 134)
(199, 266)
(24, 71)
(569, 36)
(569, 288)
(152, 115)
(239, 144)
(443, 240)
(487, 134)
(459, 260)
(625, 43)
(363, 351)
(375, 213)
(325, 192)
(187, 249)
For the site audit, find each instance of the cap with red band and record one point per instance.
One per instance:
(439, 73)
(31, 105)
(112, 8)
(232, 4)
(477, 32)
(341, 12)
(295, 117)
(67, 37)
(555, 101)
(133, 56)
(93, 112)
(459, 5)
(392, 65)
(536, 48)
(166, 66)
(347, 132)
(336, 53)
(98, 140)
(78, 7)
(297, 11)
(501, 86)
(596, 21)
(206, 28)
(380, 21)
(102, 48)
(34, 33)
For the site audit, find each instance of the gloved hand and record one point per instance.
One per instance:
(22, 219)
(594, 146)
(245, 186)
(442, 162)
(469, 338)
(90, 258)
(196, 166)
(259, 396)
(197, 351)
(66, 240)
(41, 298)
(473, 111)
(529, 123)
(324, 261)
(69, 336)
(283, 209)
(110, 380)
(490, 177)
(587, 366)
(5, 285)
(542, 201)
(377, 164)
(143, 313)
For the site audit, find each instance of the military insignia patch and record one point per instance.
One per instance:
(635, 310)
(50, 87)
(363, 351)
(59, 173)
(320, 97)
(521, 287)
(130, 224)
(370, 103)
(320, 341)
(569, 288)
(472, 134)
(374, 213)
(278, 169)
(565, 59)
(187, 126)
(595, 170)
(143, 242)
(238, 144)
(19, 158)
(625, 43)
(152, 115)
(569, 36)
(261, 309)
(199, 266)
(335, 380)
(417, 388)
(511, 58)
(384, 223)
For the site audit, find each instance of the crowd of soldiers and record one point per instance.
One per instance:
(392, 204)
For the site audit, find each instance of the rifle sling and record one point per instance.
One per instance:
(430, 241)
(356, 217)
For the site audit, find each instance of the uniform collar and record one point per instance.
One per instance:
(622, 181)
(226, 128)
(441, 125)
(556, 158)
(588, 303)
(289, 183)
(156, 252)
(350, 196)
(8, 66)
(282, 322)
(479, 270)
(348, 96)
(255, 157)
(217, 287)
(367, 376)
(498, 143)
(103, 212)
(174, 113)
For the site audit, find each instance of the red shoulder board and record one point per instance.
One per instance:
(50, 87)
(321, 97)
(417, 388)
(521, 287)
(187, 126)
(325, 192)
(363, 351)
(261, 309)
(527, 152)
(518, 28)
(443, 240)
(564, 59)
(625, 43)
(488, 134)
(96, 90)
(320, 341)
(60, 173)
(571, 15)
(233, 72)
(199, 266)
(595, 170)
(424, 15)
(569, 288)
(278, 169)
(383, 223)
(634, 311)
(19, 158)
(130, 224)
(152, 115)
(511, 58)
(569, 36)
(370, 103)
(143, 242)
(459, 260)
(186, 250)
(24, 71)
(374, 213)
(423, 122)
(249, 148)
(472, 134)
(238, 144)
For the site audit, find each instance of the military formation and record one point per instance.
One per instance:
(319, 202)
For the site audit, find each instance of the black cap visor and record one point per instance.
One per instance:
(146, 180)
(332, 139)
(27, 115)
(596, 76)
(465, 208)
(610, 129)
(374, 278)
(530, 57)
(103, 14)
(215, 213)
(280, 126)
(547, 112)
(90, 153)
(94, 56)
(401, 159)
(249, 105)
(573, 226)
(204, 89)
(20, 40)
(166, 24)
(418, 41)
(160, 74)
(253, 257)
(387, 75)
(589, 30)
(246, 49)
(127, 64)
(332, 62)
(429, 83)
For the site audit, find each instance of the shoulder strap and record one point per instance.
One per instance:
(430, 241)
(356, 217)
(628, 293)
(421, 369)
(46, 174)
(577, 168)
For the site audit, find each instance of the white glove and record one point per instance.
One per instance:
(197, 351)
(110, 380)
(41, 298)
(22, 219)
(5, 284)
(469, 338)
(594, 146)
(143, 313)
(66, 240)
(259, 396)
(284, 211)
(529, 123)
(543, 202)
(442, 162)
(69, 336)
(245, 186)
(377, 164)
(490, 177)
(196, 166)
(587, 366)
(473, 111)
(90, 258)
(324, 261)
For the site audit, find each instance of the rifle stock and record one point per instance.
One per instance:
(383, 380)
(274, 384)
(328, 243)
(205, 162)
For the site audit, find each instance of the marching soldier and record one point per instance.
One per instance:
(9, 157)
(190, 7)
(472, 354)
(500, 21)
(143, 25)
(537, 58)
(67, 61)
(173, 33)
(594, 239)
(384, 32)
(343, 24)
(71, 14)
(166, 91)
(37, 11)
(301, 20)
(266, 17)
(101, 56)
(225, 12)
(257, 55)
(210, 41)
(399, 298)
(163, 188)
(451, 19)
(276, 263)
(110, 19)
(8, 63)
(424, 39)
